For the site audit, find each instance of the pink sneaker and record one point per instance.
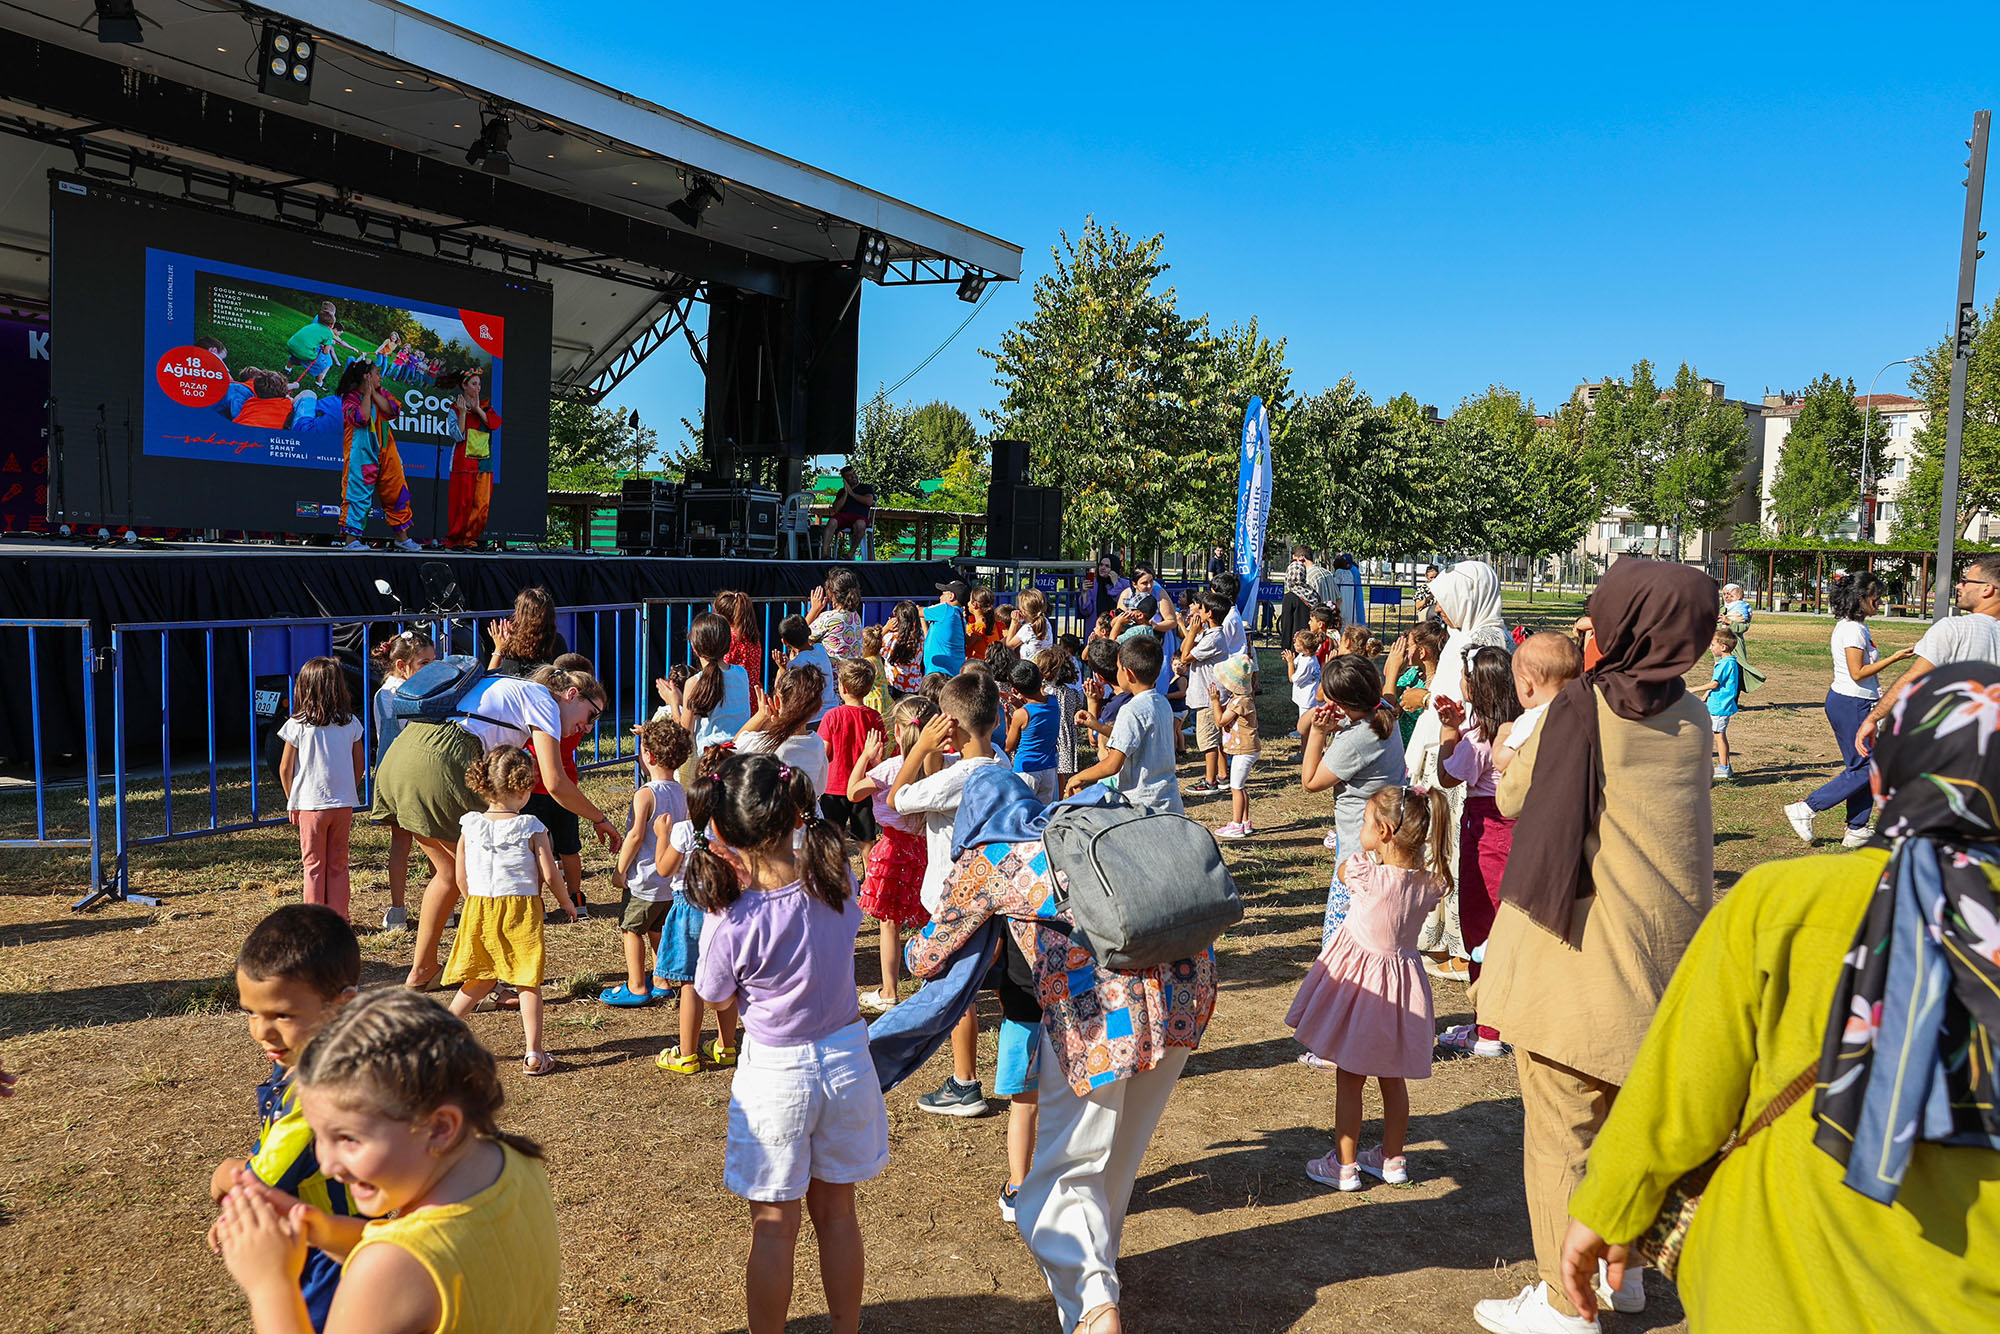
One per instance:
(1232, 830)
(1332, 840)
(1392, 1171)
(1330, 1171)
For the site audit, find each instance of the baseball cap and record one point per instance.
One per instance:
(957, 589)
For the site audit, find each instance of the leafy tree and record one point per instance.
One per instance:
(1695, 470)
(1554, 502)
(899, 445)
(1819, 468)
(1505, 414)
(1326, 437)
(1621, 437)
(1979, 451)
(1131, 407)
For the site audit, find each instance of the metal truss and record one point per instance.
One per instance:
(669, 317)
(930, 270)
(305, 210)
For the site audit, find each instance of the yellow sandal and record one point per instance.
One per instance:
(719, 1056)
(673, 1062)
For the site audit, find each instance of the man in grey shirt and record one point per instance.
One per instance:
(1973, 637)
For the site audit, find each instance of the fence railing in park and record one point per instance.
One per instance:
(95, 769)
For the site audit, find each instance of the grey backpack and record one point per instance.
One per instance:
(1141, 889)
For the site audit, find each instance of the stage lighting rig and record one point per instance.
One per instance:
(285, 64)
(489, 151)
(871, 255)
(118, 23)
(688, 210)
(972, 286)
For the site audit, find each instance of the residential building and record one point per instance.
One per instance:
(1904, 417)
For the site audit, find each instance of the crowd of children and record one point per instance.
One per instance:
(737, 896)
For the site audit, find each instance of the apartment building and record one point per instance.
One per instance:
(1617, 532)
(1904, 416)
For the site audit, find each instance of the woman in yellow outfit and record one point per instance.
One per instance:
(1874, 1201)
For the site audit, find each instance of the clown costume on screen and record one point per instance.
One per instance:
(471, 495)
(371, 469)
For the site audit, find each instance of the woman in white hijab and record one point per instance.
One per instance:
(1468, 597)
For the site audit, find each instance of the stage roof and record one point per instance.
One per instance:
(417, 88)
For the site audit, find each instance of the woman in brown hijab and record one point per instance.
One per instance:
(1613, 868)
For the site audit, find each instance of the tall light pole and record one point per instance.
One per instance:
(1867, 488)
(1965, 317)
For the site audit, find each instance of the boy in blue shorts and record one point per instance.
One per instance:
(1016, 1073)
(1724, 691)
(298, 967)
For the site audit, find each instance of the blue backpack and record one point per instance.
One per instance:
(434, 692)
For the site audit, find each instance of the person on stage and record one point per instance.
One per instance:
(371, 469)
(471, 495)
(853, 509)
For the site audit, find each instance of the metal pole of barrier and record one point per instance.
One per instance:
(166, 736)
(90, 760)
(250, 673)
(214, 778)
(118, 752)
(35, 738)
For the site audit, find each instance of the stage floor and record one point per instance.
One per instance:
(181, 581)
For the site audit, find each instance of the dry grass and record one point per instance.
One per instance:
(136, 1077)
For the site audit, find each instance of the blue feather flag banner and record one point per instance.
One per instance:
(1253, 505)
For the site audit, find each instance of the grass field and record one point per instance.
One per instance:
(136, 1076)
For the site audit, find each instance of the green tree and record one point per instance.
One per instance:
(1694, 471)
(1506, 415)
(900, 445)
(1979, 451)
(1819, 468)
(590, 448)
(1621, 439)
(1554, 502)
(1126, 402)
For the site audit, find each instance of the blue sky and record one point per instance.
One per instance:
(1429, 198)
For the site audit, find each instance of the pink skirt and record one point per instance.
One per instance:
(1368, 1013)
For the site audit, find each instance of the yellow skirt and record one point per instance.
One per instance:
(499, 940)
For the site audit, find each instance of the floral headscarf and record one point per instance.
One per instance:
(1908, 1054)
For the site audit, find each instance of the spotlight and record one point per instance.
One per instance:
(690, 208)
(118, 23)
(489, 151)
(287, 65)
(972, 286)
(871, 255)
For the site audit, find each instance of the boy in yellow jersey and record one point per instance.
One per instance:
(298, 966)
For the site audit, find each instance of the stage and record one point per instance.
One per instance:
(194, 581)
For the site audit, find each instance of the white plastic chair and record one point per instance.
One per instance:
(795, 527)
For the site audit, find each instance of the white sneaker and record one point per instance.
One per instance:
(1331, 841)
(1857, 838)
(407, 545)
(872, 1002)
(1529, 1313)
(1629, 1297)
(395, 919)
(1330, 1171)
(1231, 830)
(1801, 816)
(1391, 1171)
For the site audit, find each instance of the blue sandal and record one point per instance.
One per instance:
(625, 998)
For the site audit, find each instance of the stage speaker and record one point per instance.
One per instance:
(1026, 524)
(1010, 466)
(649, 530)
(744, 518)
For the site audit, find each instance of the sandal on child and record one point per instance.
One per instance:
(625, 998)
(718, 1055)
(506, 998)
(674, 1063)
(538, 1063)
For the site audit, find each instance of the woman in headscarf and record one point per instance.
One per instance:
(1106, 586)
(1468, 598)
(1867, 986)
(1612, 871)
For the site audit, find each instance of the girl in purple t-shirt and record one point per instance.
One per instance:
(806, 1120)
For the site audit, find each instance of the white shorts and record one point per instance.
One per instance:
(1718, 723)
(1239, 771)
(804, 1113)
(1042, 782)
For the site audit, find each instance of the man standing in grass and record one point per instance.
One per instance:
(1973, 637)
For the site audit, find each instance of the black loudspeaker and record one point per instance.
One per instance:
(649, 529)
(1025, 524)
(1010, 467)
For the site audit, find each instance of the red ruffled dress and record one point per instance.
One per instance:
(892, 891)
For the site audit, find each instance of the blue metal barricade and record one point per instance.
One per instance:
(62, 664)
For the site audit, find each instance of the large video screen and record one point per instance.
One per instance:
(229, 365)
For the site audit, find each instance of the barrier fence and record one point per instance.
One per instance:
(209, 766)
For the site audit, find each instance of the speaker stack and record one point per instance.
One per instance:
(649, 517)
(1023, 522)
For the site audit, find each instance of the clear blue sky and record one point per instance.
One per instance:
(1425, 197)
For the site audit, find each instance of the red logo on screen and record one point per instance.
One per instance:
(485, 330)
(194, 377)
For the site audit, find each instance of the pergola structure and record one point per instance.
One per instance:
(1847, 557)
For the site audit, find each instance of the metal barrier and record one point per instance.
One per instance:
(40, 709)
(216, 757)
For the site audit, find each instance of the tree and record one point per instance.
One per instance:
(899, 446)
(590, 448)
(1554, 502)
(1979, 451)
(1819, 468)
(1695, 472)
(1621, 436)
(1505, 414)
(1131, 408)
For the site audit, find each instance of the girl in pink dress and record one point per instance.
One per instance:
(1365, 1007)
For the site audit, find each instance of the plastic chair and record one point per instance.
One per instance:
(795, 527)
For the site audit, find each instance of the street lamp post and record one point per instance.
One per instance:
(1867, 487)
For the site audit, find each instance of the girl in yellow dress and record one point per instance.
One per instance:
(460, 1226)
